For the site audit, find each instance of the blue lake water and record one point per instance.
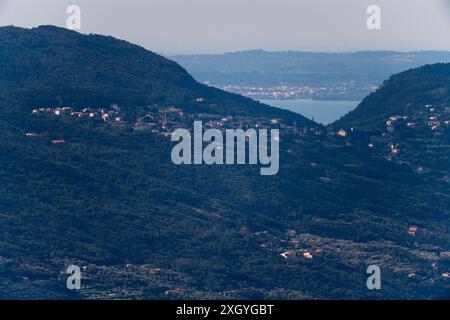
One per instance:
(324, 112)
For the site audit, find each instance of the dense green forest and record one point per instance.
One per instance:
(50, 66)
(107, 197)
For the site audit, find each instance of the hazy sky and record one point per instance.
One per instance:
(204, 26)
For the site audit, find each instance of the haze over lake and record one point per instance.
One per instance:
(324, 112)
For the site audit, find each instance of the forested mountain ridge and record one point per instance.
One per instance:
(93, 185)
(410, 114)
(403, 93)
(50, 66)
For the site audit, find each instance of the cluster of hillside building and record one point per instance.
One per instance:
(164, 120)
(432, 116)
(107, 115)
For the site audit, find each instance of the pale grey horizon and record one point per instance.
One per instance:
(174, 27)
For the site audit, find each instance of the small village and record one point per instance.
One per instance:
(431, 120)
(164, 120)
(107, 115)
(305, 248)
(382, 142)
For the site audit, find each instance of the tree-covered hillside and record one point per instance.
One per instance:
(94, 185)
(402, 93)
(50, 66)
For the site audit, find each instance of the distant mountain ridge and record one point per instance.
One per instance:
(349, 75)
(285, 66)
